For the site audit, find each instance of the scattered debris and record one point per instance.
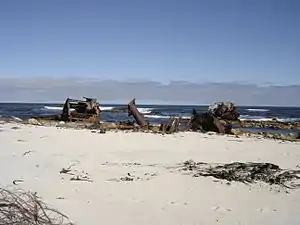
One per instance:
(66, 171)
(245, 173)
(26, 208)
(26, 153)
(131, 177)
(60, 198)
(15, 128)
(81, 178)
(76, 174)
(15, 182)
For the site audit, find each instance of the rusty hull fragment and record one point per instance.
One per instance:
(83, 110)
(139, 118)
(207, 122)
(171, 127)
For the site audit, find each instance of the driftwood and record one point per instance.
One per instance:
(132, 110)
(207, 122)
(26, 208)
(245, 173)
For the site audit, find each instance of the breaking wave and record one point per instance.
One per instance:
(54, 108)
(157, 116)
(145, 110)
(264, 119)
(165, 117)
(59, 108)
(258, 110)
(284, 120)
(104, 108)
(255, 118)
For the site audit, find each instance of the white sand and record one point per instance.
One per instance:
(168, 197)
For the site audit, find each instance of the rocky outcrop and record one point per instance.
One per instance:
(225, 111)
(275, 125)
(268, 135)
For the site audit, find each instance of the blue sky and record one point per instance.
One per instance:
(162, 40)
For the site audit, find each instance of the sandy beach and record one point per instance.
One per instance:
(132, 178)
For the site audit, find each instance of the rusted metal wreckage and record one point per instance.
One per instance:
(79, 110)
(74, 110)
(88, 111)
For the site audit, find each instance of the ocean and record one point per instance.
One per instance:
(155, 114)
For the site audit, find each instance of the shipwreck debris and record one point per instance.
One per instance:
(207, 122)
(171, 127)
(86, 111)
(83, 110)
(220, 117)
(245, 172)
(132, 110)
(225, 111)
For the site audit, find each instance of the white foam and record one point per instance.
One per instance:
(53, 108)
(157, 116)
(256, 119)
(106, 108)
(165, 117)
(263, 119)
(258, 110)
(57, 108)
(145, 110)
(287, 119)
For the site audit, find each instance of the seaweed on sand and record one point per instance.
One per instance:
(246, 173)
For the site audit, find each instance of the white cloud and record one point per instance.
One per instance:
(47, 89)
